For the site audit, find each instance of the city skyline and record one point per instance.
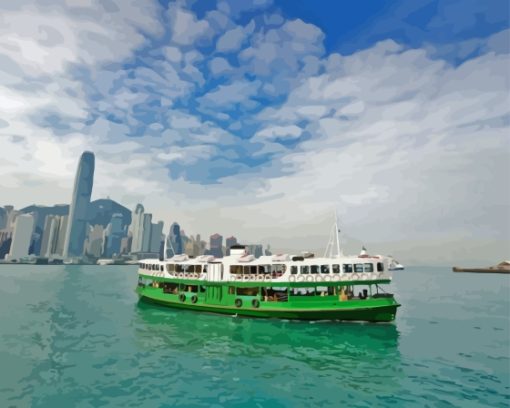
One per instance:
(267, 118)
(86, 231)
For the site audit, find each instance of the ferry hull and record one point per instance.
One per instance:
(383, 310)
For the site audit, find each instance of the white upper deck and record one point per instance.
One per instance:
(240, 265)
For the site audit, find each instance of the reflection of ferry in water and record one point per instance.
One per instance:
(279, 286)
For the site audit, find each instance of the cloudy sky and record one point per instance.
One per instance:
(261, 118)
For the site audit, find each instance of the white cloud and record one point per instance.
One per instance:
(284, 132)
(186, 29)
(225, 96)
(219, 66)
(233, 39)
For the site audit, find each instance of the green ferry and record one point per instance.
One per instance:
(279, 286)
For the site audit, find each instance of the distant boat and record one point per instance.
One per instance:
(394, 265)
(105, 261)
(502, 267)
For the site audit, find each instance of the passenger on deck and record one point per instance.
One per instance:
(343, 295)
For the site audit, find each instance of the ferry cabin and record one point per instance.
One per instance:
(346, 288)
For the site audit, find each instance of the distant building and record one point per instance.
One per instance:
(21, 237)
(146, 236)
(8, 216)
(137, 228)
(229, 242)
(114, 233)
(40, 214)
(255, 249)
(267, 251)
(156, 237)
(78, 212)
(174, 241)
(215, 245)
(62, 230)
(125, 244)
(5, 243)
(3, 218)
(50, 236)
(94, 244)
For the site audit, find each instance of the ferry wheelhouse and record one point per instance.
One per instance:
(278, 286)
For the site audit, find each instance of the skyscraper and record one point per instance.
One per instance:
(77, 223)
(216, 245)
(113, 235)
(21, 237)
(231, 241)
(146, 237)
(137, 228)
(156, 236)
(50, 235)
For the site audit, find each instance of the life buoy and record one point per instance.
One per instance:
(292, 278)
(355, 276)
(182, 297)
(319, 278)
(180, 275)
(260, 277)
(194, 299)
(268, 278)
(309, 278)
(300, 278)
(255, 303)
(327, 278)
(238, 302)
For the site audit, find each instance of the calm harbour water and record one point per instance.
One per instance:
(76, 336)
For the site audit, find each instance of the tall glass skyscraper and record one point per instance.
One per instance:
(77, 223)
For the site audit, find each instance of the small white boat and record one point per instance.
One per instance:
(394, 265)
(105, 262)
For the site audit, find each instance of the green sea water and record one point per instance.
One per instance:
(76, 336)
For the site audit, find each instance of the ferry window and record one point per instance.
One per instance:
(168, 267)
(178, 268)
(358, 268)
(324, 268)
(336, 268)
(293, 270)
(253, 269)
(198, 268)
(305, 269)
(314, 269)
(264, 268)
(369, 267)
(380, 267)
(278, 268)
(161, 268)
(248, 291)
(347, 268)
(236, 269)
